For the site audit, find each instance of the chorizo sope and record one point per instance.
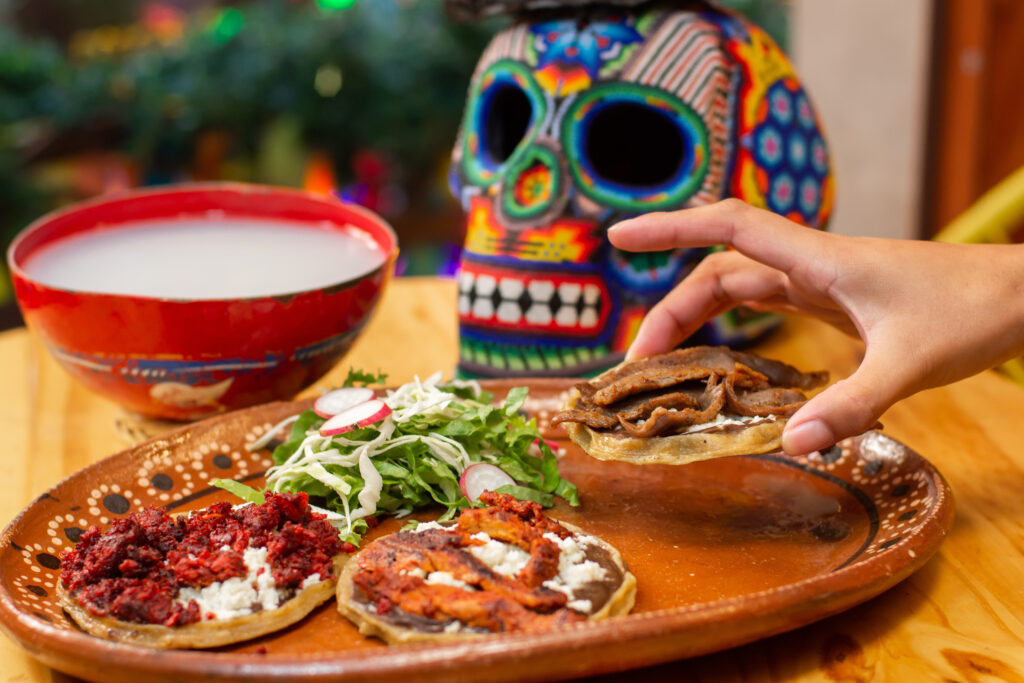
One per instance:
(213, 577)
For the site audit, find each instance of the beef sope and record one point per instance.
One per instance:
(687, 405)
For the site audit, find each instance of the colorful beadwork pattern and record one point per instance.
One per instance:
(560, 114)
(781, 162)
(688, 175)
(570, 56)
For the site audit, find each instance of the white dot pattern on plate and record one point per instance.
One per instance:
(898, 492)
(883, 471)
(164, 477)
(892, 479)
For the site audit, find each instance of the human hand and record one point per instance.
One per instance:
(929, 313)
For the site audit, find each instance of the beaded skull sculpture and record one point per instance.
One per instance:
(577, 120)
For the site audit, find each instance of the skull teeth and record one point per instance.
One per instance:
(539, 315)
(483, 308)
(509, 312)
(540, 290)
(570, 292)
(512, 300)
(465, 281)
(485, 285)
(510, 288)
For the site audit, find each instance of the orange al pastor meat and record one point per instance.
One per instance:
(498, 569)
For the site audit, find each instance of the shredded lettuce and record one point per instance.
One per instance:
(246, 493)
(414, 457)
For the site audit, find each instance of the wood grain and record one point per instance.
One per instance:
(959, 618)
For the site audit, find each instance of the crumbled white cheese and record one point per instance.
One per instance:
(580, 605)
(446, 579)
(313, 578)
(503, 558)
(574, 570)
(415, 571)
(725, 420)
(236, 596)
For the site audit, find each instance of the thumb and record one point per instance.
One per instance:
(846, 408)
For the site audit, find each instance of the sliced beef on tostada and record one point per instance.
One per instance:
(687, 405)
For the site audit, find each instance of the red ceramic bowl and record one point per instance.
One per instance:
(185, 359)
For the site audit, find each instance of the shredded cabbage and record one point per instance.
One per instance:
(414, 457)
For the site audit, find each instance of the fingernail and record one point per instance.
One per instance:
(805, 437)
(615, 228)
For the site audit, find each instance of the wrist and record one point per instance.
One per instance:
(1015, 279)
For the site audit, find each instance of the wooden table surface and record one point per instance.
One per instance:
(960, 618)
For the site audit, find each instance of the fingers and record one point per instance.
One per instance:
(762, 235)
(848, 407)
(720, 282)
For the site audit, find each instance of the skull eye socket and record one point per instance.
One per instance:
(505, 104)
(635, 148)
(634, 145)
(507, 113)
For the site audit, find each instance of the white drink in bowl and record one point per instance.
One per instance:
(206, 258)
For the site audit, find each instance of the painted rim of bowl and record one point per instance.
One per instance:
(390, 256)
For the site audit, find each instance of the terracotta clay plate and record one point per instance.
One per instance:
(724, 551)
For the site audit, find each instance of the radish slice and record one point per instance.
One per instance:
(482, 476)
(334, 402)
(535, 447)
(361, 415)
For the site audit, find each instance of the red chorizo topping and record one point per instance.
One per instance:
(669, 393)
(392, 570)
(206, 568)
(134, 570)
(296, 552)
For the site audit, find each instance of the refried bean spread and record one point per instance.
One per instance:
(135, 570)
